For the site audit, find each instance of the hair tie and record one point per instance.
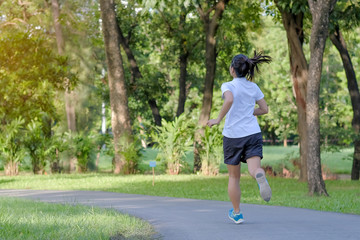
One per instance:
(250, 61)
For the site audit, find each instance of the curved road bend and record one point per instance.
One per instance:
(188, 219)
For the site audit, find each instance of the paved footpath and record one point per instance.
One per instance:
(183, 219)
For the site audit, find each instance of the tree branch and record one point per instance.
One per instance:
(196, 43)
(219, 9)
(200, 10)
(128, 38)
(170, 29)
(210, 10)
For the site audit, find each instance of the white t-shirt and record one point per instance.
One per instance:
(240, 120)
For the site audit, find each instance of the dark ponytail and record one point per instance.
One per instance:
(245, 67)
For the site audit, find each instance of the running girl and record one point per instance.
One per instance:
(242, 141)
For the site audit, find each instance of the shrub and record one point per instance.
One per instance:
(211, 153)
(130, 151)
(11, 146)
(38, 145)
(82, 146)
(172, 139)
(59, 145)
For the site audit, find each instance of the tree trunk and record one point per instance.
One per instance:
(182, 82)
(136, 74)
(70, 109)
(57, 26)
(55, 165)
(183, 59)
(97, 158)
(11, 168)
(320, 11)
(134, 68)
(69, 95)
(120, 117)
(210, 26)
(155, 111)
(338, 40)
(293, 24)
(285, 144)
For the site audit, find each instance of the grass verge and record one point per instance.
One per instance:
(339, 162)
(344, 194)
(25, 219)
(275, 156)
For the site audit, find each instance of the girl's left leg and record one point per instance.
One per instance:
(255, 170)
(254, 166)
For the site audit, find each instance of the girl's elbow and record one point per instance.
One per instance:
(264, 110)
(229, 101)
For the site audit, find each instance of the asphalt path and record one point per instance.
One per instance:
(189, 219)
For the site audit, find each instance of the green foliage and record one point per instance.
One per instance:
(32, 77)
(172, 139)
(293, 6)
(58, 145)
(38, 145)
(11, 150)
(82, 146)
(132, 154)
(29, 74)
(335, 105)
(211, 153)
(345, 15)
(130, 150)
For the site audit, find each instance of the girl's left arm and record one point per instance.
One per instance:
(262, 109)
(228, 101)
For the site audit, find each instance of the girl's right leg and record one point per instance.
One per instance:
(234, 186)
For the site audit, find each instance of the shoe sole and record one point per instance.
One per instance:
(265, 190)
(237, 222)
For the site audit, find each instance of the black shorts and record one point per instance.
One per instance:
(238, 150)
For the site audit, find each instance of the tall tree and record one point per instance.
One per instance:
(69, 95)
(210, 16)
(337, 38)
(320, 11)
(120, 118)
(180, 35)
(183, 59)
(275, 83)
(133, 64)
(292, 19)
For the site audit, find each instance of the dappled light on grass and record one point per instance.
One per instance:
(24, 219)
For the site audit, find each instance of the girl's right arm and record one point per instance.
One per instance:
(228, 101)
(262, 109)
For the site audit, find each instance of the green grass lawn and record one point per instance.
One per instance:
(275, 156)
(344, 194)
(25, 219)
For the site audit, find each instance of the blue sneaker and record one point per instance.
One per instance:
(265, 190)
(236, 217)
